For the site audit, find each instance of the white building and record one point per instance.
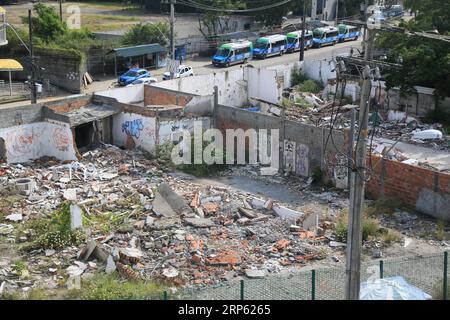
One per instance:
(323, 9)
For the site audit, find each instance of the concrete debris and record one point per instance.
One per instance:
(429, 134)
(311, 221)
(162, 208)
(269, 171)
(76, 217)
(149, 220)
(147, 224)
(176, 202)
(200, 222)
(110, 265)
(336, 244)
(6, 229)
(246, 212)
(170, 273)
(74, 271)
(14, 217)
(132, 255)
(70, 194)
(49, 252)
(286, 213)
(255, 274)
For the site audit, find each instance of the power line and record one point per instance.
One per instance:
(197, 5)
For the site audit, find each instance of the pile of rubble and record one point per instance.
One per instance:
(145, 223)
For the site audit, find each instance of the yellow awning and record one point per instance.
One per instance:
(10, 65)
(2, 10)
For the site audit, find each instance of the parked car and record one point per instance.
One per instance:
(132, 75)
(183, 71)
(143, 81)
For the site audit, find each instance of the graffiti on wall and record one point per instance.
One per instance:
(302, 160)
(20, 142)
(341, 172)
(289, 155)
(133, 128)
(61, 139)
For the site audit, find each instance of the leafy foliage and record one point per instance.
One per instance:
(297, 76)
(311, 86)
(47, 24)
(370, 227)
(55, 232)
(425, 61)
(147, 34)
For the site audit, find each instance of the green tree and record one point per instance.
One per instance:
(424, 61)
(47, 25)
(146, 34)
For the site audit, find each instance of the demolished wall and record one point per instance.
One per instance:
(162, 96)
(235, 87)
(33, 141)
(426, 190)
(303, 144)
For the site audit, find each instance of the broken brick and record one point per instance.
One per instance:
(225, 258)
(282, 244)
(211, 207)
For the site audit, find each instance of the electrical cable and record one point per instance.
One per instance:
(197, 5)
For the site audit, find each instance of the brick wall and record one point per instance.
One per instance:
(160, 96)
(426, 190)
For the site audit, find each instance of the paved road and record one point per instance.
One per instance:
(204, 66)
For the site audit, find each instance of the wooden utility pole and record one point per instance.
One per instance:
(358, 177)
(33, 72)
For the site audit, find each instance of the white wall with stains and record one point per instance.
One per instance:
(32, 141)
(168, 128)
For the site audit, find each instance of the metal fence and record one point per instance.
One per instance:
(429, 273)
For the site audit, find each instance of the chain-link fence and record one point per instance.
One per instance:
(428, 273)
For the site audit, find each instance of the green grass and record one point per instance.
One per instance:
(370, 226)
(33, 294)
(310, 86)
(391, 236)
(112, 287)
(52, 233)
(303, 103)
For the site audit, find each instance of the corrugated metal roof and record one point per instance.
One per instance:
(10, 65)
(139, 50)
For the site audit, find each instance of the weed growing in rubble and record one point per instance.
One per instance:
(54, 232)
(370, 227)
(440, 233)
(310, 86)
(112, 287)
(287, 103)
(297, 76)
(391, 236)
(300, 102)
(163, 154)
(33, 294)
